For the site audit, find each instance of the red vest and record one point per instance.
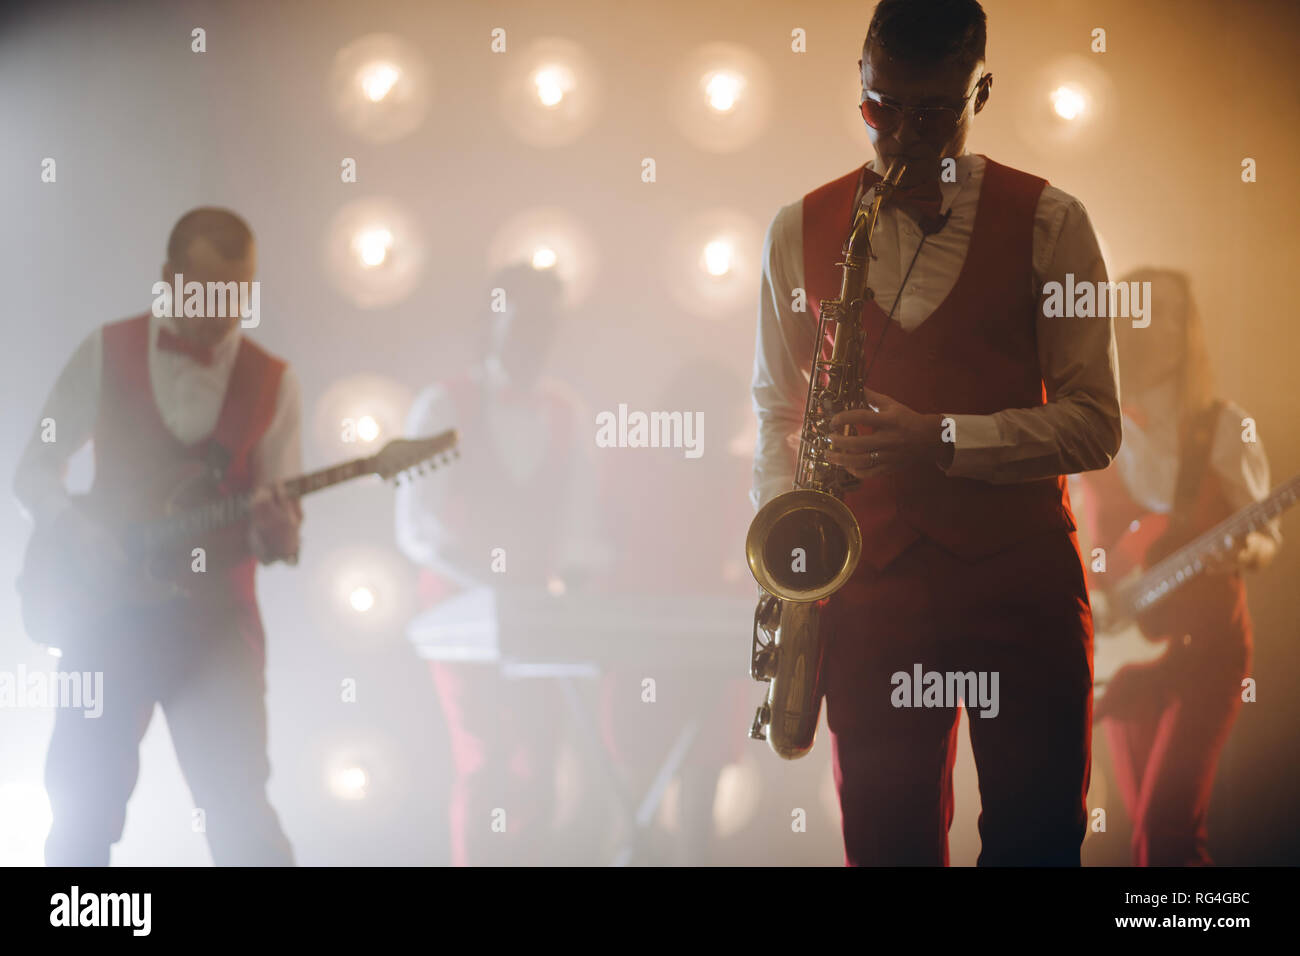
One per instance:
(137, 459)
(487, 508)
(975, 354)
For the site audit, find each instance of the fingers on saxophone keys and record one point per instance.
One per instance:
(855, 416)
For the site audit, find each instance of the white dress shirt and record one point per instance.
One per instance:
(1148, 461)
(188, 396)
(1079, 427)
(514, 429)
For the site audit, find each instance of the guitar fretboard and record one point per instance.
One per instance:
(232, 509)
(1170, 574)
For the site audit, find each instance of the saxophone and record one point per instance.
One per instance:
(804, 544)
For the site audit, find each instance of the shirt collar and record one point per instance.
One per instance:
(222, 349)
(967, 163)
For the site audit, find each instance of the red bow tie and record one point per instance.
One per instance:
(169, 341)
(922, 201)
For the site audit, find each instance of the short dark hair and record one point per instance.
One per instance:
(221, 227)
(929, 31)
(529, 288)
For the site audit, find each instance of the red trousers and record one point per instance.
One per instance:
(505, 738)
(1167, 723)
(1022, 614)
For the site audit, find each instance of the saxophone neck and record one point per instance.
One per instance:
(858, 243)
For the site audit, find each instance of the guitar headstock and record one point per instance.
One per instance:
(406, 455)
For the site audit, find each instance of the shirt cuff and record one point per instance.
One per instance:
(975, 452)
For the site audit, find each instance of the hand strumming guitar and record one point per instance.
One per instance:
(276, 518)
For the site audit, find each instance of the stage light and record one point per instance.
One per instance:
(552, 83)
(1062, 107)
(722, 90)
(379, 87)
(372, 246)
(363, 594)
(363, 768)
(547, 237)
(717, 257)
(24, 822)
(550, 92)
(1068, 102)
(367, 428)
(544, 258)
(374, 252)
(358, 409)
(362, 599)
(349, 783)
(720, 95)
(711, 262)
(735, 801)
(378, 81)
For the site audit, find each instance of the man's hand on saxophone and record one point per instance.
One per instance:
(897, 436)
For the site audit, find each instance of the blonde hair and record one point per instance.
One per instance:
(1196, 387)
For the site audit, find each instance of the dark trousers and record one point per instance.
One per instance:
(1023, 614)
(206, 670)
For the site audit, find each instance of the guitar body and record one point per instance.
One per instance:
(64, 595)
(1117, 648)
(1205, 605)
(1119, 643)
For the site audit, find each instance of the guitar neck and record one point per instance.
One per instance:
(232, 509)
(1167, 576)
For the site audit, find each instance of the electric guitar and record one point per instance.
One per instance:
(62, 596)
(1119, 640)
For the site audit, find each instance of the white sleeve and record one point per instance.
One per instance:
(1078, 429)
(1241, 465)
(783, 355)
(278, 455)
(583, 546)
(420, 533)
(66, 423)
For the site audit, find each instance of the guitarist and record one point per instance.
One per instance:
(1183, 456)
(156, 396)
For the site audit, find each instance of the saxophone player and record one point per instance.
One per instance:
(979, 405)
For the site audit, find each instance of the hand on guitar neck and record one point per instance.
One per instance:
(1255, 553)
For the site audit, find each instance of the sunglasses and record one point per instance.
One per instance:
(885, 114)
